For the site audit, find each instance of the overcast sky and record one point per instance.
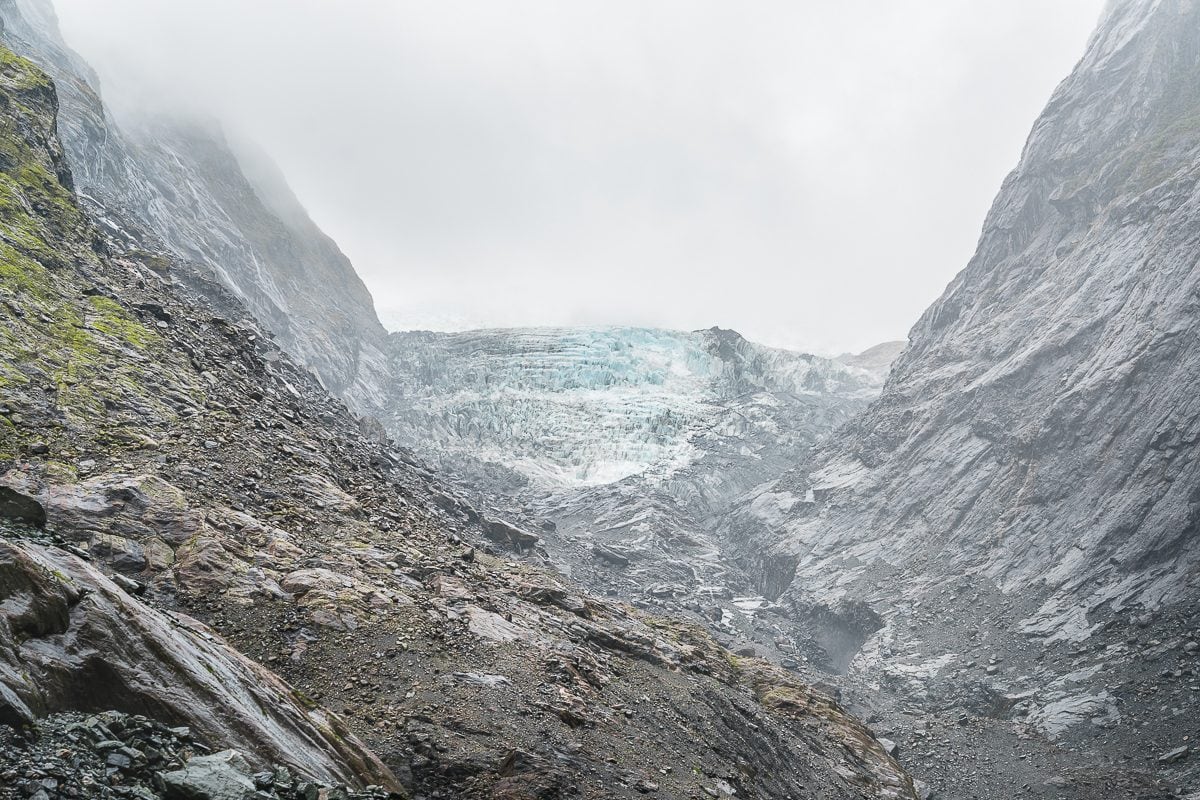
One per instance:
(809, 173)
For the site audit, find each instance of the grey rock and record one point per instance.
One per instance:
(221, 776)
(21, 507)
(1040, 431)
(611, 555)
(128, 584)
(1172, 756)
(73, 618)
(503, 532)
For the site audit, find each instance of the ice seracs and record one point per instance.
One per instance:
(591, 406)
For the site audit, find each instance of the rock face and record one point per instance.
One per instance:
(71, 640)
(230, 211)
(1020, 505)
(1041, 429)
(188, 469)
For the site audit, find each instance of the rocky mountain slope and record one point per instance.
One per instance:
(232, 212)
(617, 447)
(1020, 505)
(194, 534)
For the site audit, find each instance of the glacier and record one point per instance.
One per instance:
(592, 406)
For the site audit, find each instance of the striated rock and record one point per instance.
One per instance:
(611, 555)
(71, 640)
(113, 512)
(1040, 431)
(1039, 434)
(1057, 717)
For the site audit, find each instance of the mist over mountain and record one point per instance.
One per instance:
(612, 163)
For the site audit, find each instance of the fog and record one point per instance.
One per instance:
(809, 173)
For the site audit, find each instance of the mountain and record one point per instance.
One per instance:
(216, 583)
(618, 445)
(192, 195)
(1020, 504)
(594, 562)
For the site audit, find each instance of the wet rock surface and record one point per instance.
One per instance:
(72, 640)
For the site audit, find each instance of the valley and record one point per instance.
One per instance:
(254, 546)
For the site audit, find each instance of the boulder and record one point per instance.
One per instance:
(323, 494)
(1171, 756)
(303, 581)
(21, 507)
(508, 534)
(221, 776)
(610, 554)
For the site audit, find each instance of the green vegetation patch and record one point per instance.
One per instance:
(112, 320)
(20, 72)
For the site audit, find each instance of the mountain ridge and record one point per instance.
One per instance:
(182, 182)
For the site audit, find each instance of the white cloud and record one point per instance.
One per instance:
(810, 173)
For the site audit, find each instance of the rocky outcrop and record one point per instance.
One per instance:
(1041, 429)
(71, 640)
(231, 211)
(1019, 505)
